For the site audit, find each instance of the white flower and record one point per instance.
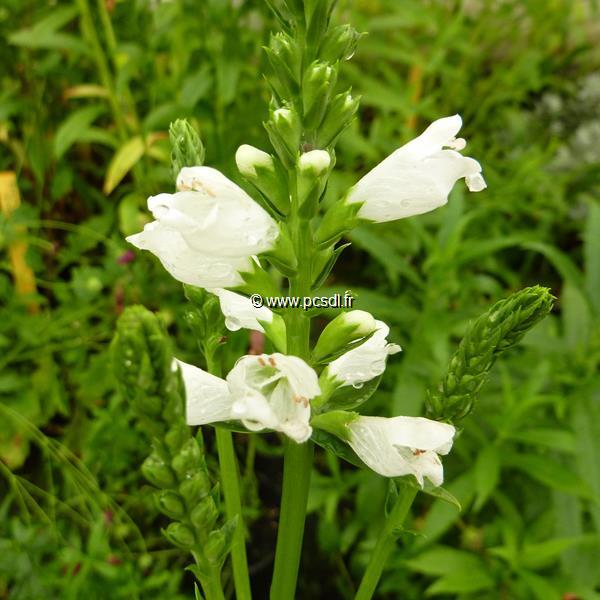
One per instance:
(402, 446)
(364, 362)
(264, 392)
(240, 312)
(206, 233)
(417, 177)
(186, 264)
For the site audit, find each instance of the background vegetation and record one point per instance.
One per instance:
(88, 90)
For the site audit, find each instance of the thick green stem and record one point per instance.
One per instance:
(229, 477)
(211, 584)
(385, 545)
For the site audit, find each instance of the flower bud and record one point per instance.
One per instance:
(247, 158)
(284, 129)
(268, 178)
(195, 488)
(171, 504)
(339, 44)
(338, 117)
(347, 328)
(181, 535)
(312, 172)
(158, 473)
(319, 82)
(204, 515)
(187, 149)
(176, 437)
(315, 162)
(188, 460)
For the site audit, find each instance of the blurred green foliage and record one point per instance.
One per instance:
(88, 91)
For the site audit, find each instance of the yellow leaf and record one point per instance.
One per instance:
(122, 162)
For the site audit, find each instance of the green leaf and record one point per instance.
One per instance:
(556, 439)
(462, 582)
(539, 586)
(73, 127)
(122, 162)
(487, 474)
(591, 251)
(548, 472)
(544, 554)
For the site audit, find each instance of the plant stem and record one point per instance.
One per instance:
(229, 477)
(297, 458)
(385, 545)
(211, 585)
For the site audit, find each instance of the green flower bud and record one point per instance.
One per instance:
(171, 504)
(341, 111)
(205, 514)
(180, 535)
(319, 82)
(195, 488)
(187, 149)
(176, 437)
(339, 44)
(158, 473)
(188, 460)
(284, 129)
(347, 328)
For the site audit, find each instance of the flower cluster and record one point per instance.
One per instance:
(211, 234)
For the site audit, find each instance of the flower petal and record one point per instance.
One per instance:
(184, 263)
(240, 312)
(207, 397)
(439, 134)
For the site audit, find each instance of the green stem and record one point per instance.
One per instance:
(385, 545)
(211, 584)
(229, 477)
(297, 458)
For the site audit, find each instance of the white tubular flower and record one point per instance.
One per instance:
(402, 446)
(186, 264)
(264, 392)
(417, 177)
(205, 234)
(364, 362)
(274, 392)
(239, 311)
(207, 397)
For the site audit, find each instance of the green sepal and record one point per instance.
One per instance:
(220, 541)
(324, 261)
(318, 14)
(271, 184)
(341, 217)
(347, 397)
(341, 111)
(284, 129)
(276, 332)
(258, 281)
(335, 422)
(333, 444)
(318, 84)
(282, 255)
(180, 535)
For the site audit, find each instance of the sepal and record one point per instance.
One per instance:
(339, 44)
(180, 535)
(187, 149)
(339, 219)
(335, 422)
(284, 129)
(341, 111)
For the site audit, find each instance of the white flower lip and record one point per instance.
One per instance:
(417, 177)
(402, 446)
(264, 392)
(365, 362)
